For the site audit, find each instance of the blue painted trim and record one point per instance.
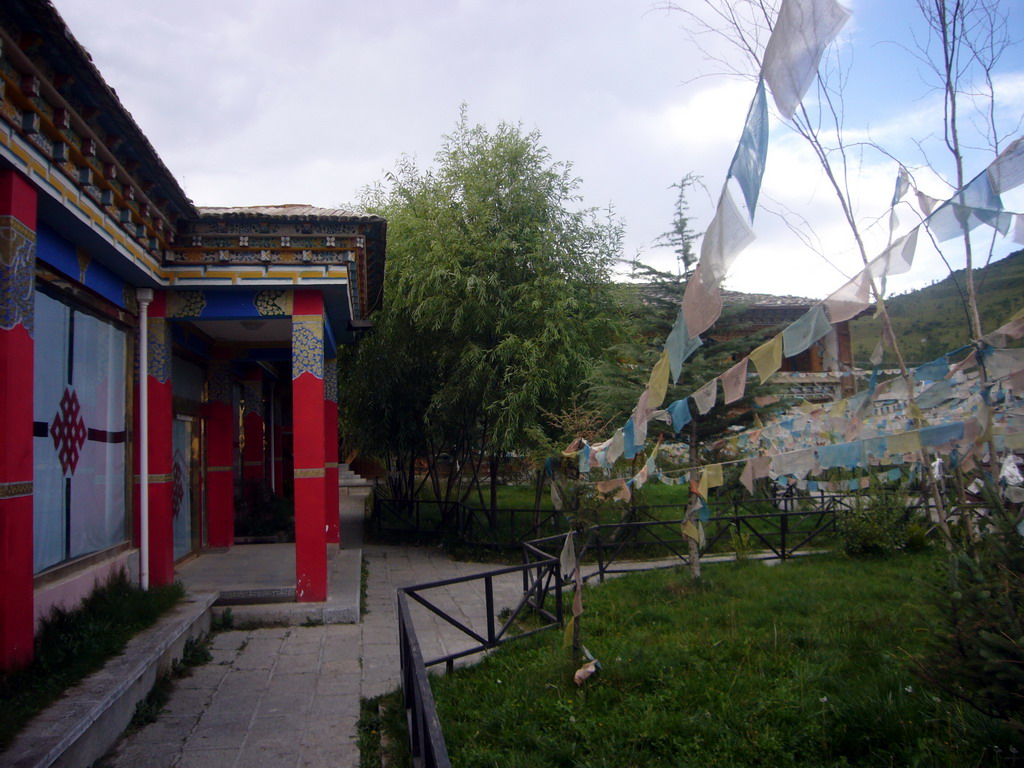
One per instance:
(61, 254)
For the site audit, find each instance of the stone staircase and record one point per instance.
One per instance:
(349, 482)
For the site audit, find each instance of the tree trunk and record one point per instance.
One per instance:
(493, 505)
(693, 547)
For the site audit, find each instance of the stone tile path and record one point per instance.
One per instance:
(290, 696)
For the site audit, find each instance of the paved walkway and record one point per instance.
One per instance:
(289, 696)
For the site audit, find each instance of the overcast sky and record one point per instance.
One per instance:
(308, 101)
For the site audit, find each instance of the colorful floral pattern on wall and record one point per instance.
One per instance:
(307, 346)
(17, 274)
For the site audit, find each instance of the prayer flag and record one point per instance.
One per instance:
(734, 382)
(680, 345)
(567, 560)
(727, 235)
(850, 299)
(658, 383)
(713, 472)
(680, 412)
(702, 302)
(802, 31)
(1007, 171)
(749, 161)
(767, 358)
(808, 329)
(704, 398)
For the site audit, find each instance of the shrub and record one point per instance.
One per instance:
(876, 525)
(979, 656)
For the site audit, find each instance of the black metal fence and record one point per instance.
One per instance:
(541, 596)
(434, 520)
(783, 533)
(509, 528)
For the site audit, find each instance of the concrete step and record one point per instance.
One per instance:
(81, 727)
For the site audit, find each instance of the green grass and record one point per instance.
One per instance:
(806, 664)
(70, 645)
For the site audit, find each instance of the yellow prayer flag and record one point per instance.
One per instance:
(905, 442)
(567, 637)
(702, 486)
(659, 381)
(768, 358)
(713, 475)
(1015, 441)
(690, 531)
(839, 408)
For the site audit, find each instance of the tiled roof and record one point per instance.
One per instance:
(289, 211)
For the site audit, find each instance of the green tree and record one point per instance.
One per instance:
(498, 300)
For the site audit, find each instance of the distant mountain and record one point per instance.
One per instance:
(932, 321)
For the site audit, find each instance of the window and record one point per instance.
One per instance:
(79, 433)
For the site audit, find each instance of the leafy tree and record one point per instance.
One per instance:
(498, 300)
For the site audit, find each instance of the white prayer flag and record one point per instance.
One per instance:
(802, 31)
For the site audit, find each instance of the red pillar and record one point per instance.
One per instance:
(17, 291)
(308, 446)
(331, 500)
(161, 454)
(220, 478)
(253, 424)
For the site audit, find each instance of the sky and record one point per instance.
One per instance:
(252, 102)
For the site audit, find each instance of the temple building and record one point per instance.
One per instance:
(158, 361)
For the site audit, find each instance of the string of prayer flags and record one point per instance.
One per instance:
(799, 336)
(680, 346)
(748, 163)
(704, 398)
(1007, 171)
(1014, 329)
(975, 204)
(802, 31)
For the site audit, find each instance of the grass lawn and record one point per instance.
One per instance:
(806, 664)
(71, 645)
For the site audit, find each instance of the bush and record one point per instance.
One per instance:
(980, 652)
(876, 525)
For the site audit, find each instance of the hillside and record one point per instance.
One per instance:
(931, 321)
